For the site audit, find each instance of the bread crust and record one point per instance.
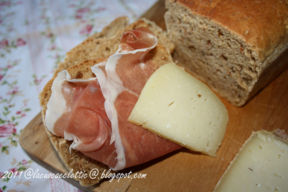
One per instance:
(78, 61)
(262, 24)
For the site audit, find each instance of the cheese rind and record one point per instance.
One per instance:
(261, 165)
(181, 108)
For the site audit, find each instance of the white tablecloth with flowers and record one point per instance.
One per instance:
(34, 37)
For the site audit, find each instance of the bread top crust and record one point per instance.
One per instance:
(263, 24)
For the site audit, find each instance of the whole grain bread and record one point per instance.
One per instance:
(78, 61)
(231, 45)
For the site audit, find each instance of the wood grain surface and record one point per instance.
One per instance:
(183, 170)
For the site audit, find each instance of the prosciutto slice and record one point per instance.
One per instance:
(94, 113)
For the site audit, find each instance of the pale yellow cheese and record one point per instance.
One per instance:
(262, 165)
(181, 108)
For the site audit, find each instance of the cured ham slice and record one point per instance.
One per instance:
(94, 113)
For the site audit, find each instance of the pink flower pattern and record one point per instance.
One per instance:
(86, 30)
(7, 129)
(14, 91)
(20, 42)
(4, 43)
(81, 11)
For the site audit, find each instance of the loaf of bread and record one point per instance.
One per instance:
(236, 47)
(78, 63)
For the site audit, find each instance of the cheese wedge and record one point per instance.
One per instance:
(181, 108)
(262, 165)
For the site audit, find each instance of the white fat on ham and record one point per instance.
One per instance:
(56, 105)
(181, 108)
(111, 86)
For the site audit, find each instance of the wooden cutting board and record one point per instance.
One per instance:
(182, 170)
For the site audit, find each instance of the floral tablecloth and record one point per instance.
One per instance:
(34, 37)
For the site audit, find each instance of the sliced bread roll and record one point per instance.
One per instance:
(231, 45)
(78, 63)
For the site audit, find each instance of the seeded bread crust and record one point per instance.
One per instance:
(231, 45)
(78, 61)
